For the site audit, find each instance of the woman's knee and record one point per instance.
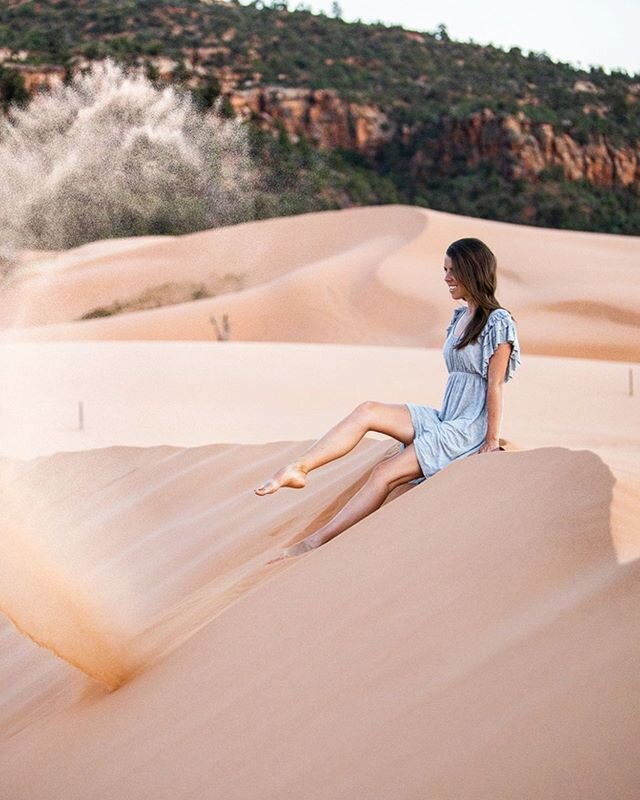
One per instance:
(366, 410)
(397, 469)
(385, 474)
(393, 419)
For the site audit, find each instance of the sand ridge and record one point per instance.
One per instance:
(362, 275)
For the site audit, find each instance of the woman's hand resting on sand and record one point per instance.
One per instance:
(490, 445)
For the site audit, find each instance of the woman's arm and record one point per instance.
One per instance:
(495, 380)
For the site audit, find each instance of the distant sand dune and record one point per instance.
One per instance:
(595, 309)
(363, 275)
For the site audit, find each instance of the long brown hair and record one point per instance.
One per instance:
(474, 266)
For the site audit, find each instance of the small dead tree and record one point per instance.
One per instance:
(221, 335)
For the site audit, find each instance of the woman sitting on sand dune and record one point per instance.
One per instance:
(481, 352)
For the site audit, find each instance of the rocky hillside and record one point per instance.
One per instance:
(393, 115)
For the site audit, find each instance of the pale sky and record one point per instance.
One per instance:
(580, 32)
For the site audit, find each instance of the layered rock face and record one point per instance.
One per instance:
(522, 149)
(320, 115)
(517, 146)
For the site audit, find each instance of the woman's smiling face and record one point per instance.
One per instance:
(456, 289)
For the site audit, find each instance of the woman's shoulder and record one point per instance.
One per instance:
(498, 315)
(498, 321)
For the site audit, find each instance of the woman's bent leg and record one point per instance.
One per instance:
(390, 418)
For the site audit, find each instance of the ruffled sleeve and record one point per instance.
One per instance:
(500, 328)
(456, 311)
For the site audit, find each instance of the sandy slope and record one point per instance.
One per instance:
(368, 275)
(476, 637)
(429, 652)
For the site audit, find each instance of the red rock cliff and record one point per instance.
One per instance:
(319, 114)
(522, 149)
(517, 146)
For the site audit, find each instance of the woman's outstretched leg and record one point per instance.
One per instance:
(390, 418)
(385, 476)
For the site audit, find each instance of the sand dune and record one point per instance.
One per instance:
(364, 275)
(34, 683)
(497, 655)
(476, 637)
(189, 394)
(118, 571)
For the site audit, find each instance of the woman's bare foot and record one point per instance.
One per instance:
(292, 475)
(296, 549)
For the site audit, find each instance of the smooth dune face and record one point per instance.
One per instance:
(476, 637)
(356, 276)
(490, 663)
(118, 572)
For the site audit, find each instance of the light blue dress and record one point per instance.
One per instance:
(458, 429)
